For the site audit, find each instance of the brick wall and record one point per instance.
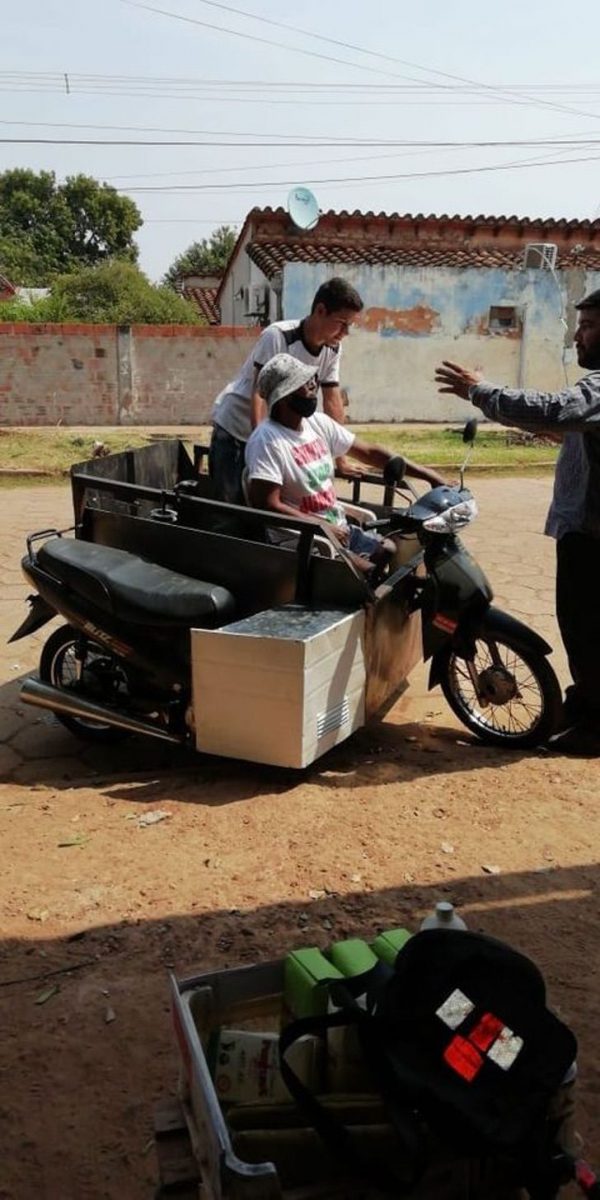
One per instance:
(104, 375)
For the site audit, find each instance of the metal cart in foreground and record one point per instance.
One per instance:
(209, 1151)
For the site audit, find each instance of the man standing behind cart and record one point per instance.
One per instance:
(316, 341)
(574, 516)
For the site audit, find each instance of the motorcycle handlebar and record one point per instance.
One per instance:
(382, 523)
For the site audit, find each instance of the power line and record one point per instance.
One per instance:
(483, 144)
(57, 77)
(515, 97)
(359, 179)
(187, 220)
(250, 37)
(305, 163)
(191, 221)
(386, 102)
(275, 166)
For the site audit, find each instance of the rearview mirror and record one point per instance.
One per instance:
(470, 431)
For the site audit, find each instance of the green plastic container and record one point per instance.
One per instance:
(353, 956)
(387, 945)
(303, 971)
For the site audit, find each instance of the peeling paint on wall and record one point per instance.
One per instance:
(416, 316)
(418, 321)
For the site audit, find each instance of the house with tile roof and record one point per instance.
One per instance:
(7, 290)
(497, 292)
(202, 290)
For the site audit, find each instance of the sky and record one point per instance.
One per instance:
(359, 101)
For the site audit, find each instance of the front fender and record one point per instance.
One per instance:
(494, 623)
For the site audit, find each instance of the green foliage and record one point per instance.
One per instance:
(18, 310)
(208, 257)
(115, 293)
(47, 228)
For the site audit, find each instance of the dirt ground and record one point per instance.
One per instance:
(253, 861)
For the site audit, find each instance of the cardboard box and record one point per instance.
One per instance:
(281, 687)
(245, 1066)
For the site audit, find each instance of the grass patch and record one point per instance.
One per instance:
(51, 452)
(493, 449)
(55, 450)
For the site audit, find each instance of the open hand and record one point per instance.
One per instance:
(457, 380)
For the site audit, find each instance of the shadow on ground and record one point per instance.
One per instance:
(79, 1086)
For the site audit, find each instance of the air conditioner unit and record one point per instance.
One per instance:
(256, 298)
(540, 255)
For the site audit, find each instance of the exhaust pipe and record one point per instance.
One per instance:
(42, 695)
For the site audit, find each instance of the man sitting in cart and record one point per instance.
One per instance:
(290, 457)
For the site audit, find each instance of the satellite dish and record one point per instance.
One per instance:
(303, 208)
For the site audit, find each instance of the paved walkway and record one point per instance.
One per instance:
(506, 539)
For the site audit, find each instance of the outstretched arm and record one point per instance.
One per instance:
(572, 410)
(378, 457)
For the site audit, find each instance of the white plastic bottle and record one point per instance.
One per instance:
(443, 917)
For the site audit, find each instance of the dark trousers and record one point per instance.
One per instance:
(226, 461)
(578, 612)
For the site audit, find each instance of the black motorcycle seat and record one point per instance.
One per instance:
(132, 588)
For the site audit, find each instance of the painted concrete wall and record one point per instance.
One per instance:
(413, 318)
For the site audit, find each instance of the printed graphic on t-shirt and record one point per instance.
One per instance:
(316, 468)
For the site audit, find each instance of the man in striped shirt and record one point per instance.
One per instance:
(574, 516)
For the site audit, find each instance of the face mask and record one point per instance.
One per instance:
(305, 406)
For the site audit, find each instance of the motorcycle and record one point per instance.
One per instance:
(127, 585)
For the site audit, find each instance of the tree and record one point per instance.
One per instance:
(208, 257)
(115, 293)
(47, 228)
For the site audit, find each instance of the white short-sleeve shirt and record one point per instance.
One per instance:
(231, 409)
(302, 462)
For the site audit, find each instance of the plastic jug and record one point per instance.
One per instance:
(443, 917)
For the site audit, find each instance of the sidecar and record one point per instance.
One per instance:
(314, 651)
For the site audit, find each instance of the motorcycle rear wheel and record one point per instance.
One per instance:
(59, 667)
(526, 718)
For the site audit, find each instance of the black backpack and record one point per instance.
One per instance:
(458, 1039)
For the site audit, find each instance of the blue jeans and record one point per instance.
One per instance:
(226, 462)
(363, 543)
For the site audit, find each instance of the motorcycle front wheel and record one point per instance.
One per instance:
(72, 663)
(507, 694)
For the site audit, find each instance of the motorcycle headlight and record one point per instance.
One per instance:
(452, 518)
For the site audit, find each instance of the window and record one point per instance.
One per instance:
(503, 318)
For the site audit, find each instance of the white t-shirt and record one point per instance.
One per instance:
(302, 462)
(231, 409)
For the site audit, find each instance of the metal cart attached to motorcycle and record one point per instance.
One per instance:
(253, 636)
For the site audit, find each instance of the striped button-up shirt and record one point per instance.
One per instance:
(575, 413)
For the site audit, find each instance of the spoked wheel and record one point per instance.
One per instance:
(74, 663)
(507, 694)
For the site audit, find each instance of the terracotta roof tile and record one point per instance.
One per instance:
(7, 286)
(436, 218)
(412, 240)
(270, 256)
(205, 300)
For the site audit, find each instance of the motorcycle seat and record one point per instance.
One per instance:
(131, 588)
